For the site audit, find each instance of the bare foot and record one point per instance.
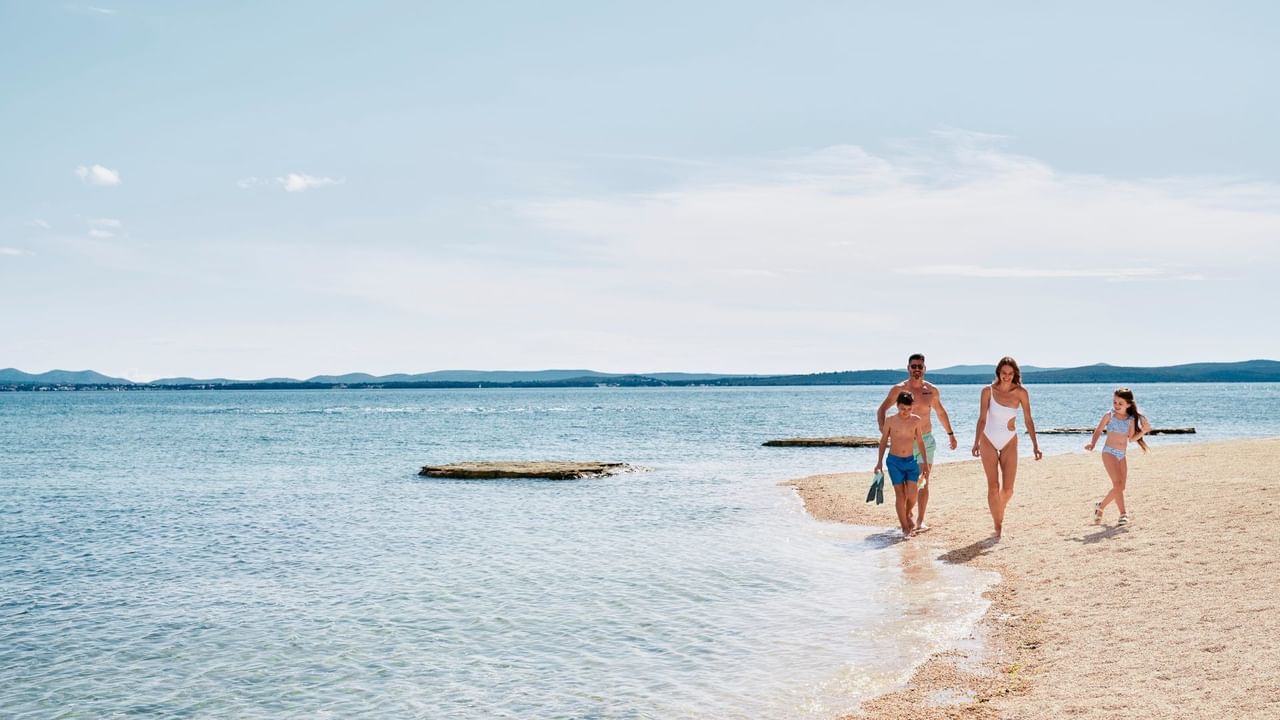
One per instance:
(921, 528)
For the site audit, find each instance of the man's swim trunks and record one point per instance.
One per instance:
(930, 447)
(902, 469)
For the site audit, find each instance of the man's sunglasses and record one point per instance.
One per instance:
(916, 367)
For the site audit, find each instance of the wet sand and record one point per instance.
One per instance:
(1176, 615)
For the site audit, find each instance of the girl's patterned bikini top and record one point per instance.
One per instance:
(1118, 424)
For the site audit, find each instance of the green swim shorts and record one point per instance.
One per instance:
(930, 446)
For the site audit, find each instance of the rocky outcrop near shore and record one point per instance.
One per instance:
(542, 469)
(838, 441)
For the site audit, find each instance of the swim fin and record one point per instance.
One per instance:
(876, 491)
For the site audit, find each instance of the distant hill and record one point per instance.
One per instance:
(60, 377)
(505, 376)
(1246, 371)
(983, 370)
(448, 376)
(498, 376)
(216, 381)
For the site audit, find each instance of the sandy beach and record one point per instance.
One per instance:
(1175, 615)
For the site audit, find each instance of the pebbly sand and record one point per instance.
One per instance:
(1176, 615)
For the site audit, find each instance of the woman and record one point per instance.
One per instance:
(996, 441)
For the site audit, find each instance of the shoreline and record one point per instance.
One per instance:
(1169, 616)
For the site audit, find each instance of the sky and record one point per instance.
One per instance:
(248, 189)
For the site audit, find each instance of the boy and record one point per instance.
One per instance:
(901, 434)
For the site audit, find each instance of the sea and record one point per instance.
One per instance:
(269, 554)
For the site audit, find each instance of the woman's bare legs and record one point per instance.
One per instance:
(997, 463)
(1118, 471)
(991, 466)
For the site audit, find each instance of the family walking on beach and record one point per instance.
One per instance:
(908, 437)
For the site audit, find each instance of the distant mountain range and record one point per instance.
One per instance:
(1246, 371)
(983, 370)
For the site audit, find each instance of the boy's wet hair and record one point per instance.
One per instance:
(906, 398)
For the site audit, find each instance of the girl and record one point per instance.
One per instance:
(1122, 424)
(996, 441)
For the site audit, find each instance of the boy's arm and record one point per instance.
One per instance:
(943, 417)
(884, 407)
(884, 440)
(1097, 432)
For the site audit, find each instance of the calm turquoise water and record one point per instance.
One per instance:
(273, 554)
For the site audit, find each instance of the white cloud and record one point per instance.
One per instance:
(298, 182)
(98, 175)
(39, 223)
(106, 222)
(13, 252)
(90, 9)
(953, 239)
(99, 233)
(980, 271)
(293, 182)
(959, 207)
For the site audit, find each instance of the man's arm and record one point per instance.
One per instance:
(924, 454)
(943, 417)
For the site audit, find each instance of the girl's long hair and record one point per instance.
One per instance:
(1017, 373)
(1127, 395)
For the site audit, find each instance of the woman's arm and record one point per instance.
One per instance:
(1031, 425)
(982, 417)
(1097, 432)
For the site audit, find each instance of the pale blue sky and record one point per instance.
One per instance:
(288, 188)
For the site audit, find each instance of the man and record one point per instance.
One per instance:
(927, 401)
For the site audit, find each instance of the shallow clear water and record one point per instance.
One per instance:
(267, 554)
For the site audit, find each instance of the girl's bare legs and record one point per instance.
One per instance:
(1118, 471)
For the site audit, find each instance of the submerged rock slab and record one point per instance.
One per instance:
(544, 469)
(838, 441)
(1088, 430)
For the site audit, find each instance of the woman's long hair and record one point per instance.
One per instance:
(1127, 395)
(1017, 373)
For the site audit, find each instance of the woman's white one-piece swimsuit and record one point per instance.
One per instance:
(997, 427)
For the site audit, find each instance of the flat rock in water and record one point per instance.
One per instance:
(1088, 430)
(546, 469)
(839, 441)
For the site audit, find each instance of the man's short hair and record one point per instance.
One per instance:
(906, 398)
(916, 356)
